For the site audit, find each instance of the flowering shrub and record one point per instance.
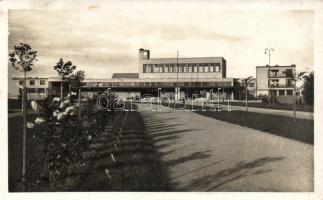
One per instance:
(62, 135)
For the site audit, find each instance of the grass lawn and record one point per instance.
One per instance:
(304, 108)
(301, 130)
(15, 153)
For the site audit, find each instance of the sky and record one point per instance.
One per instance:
(106, 41)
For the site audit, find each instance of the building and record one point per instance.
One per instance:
(173, 77)
(275, 80)
(37, 87)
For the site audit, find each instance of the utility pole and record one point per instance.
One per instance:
(177, 76)
(268, 74)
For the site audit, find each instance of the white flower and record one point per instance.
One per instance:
(60, 116)
(69, 110)
(30, 125)
(35, 106)
(72, 113)
(62, 105)
(68, 96)
(89, 137)
(39, 120)
(67, 101)
(55, 113)
(56, 99)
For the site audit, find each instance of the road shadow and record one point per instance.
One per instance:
(240, 170)
(191, 157)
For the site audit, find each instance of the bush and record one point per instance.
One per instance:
(264, 99)
(62, 135)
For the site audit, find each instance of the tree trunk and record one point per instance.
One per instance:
(246, 99)
(79, 102)
(61, 90)
(294, 102)
(24, 111)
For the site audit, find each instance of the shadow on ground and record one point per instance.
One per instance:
(241, 169)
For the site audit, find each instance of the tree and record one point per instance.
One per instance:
(64, 70)
(246, 83)
(76, 81)
(77, 78)
(295, 77)
(308, 88)
(22, 59)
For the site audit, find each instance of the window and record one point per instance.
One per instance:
(289, 92)
(289, 73)
(166, 68)
(181, 68)
(150, 68)
(21, 82)
(41, 90)
(31, 90)
(145, 68)
(190, 68)
(211, 67)
(156, 68)
(32, 82)
(42, 82)
(171, 68)
(217, 69)
(206, 67)
(200, 68)
(161, 70)
(281, 92)
(195, 69)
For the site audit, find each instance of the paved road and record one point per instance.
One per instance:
(205, 154)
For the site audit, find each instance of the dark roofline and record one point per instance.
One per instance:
(189, 58)
(293, 65)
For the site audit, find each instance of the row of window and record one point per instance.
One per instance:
(157, 84)
(33, 82)
(282, 92)
(34, 90)
(184, 68)
(288, 73)
(276, 83)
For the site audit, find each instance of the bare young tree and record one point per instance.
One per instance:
(22, 59)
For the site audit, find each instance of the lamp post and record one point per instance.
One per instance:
(177, 96)
(219, 99)
(269, 50)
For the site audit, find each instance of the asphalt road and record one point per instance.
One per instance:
(205, 154)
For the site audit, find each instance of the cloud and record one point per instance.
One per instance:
(108, 40)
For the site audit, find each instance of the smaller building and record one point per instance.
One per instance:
(37, 87)
(275, 80)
